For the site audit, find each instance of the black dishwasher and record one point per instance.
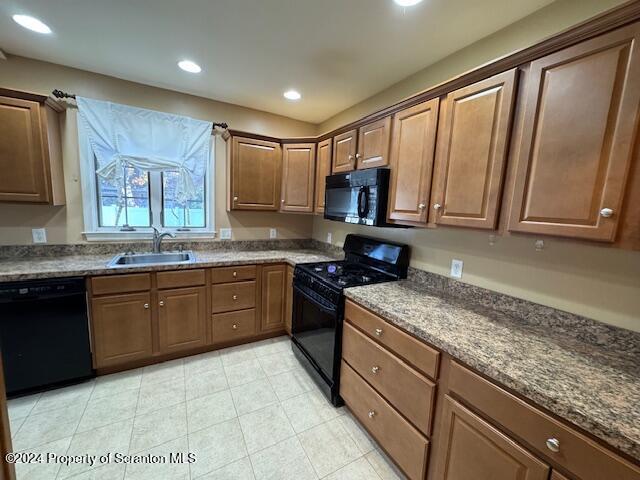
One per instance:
(44, 334)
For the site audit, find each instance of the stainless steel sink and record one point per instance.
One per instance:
(138, 259)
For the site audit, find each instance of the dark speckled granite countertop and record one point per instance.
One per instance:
(28, 268)
(594, 387)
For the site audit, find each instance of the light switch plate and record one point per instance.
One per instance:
(225, 234)
(273, 233)
(39, 235)
(329, 237)
(456, 268)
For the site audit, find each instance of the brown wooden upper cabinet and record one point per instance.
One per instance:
(255, 174)
(273, 298)
(30, 151)
(366, 147)
(373, 144)
(471, 153)
(472, 448)
(344, 151)
(580, 113)
(298, 177)
(323, 168)
(412, 151)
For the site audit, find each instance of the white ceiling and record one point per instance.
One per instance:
(335, 52)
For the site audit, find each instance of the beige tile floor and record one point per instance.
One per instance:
(247, 412)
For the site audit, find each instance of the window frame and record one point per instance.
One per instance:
(90, 201)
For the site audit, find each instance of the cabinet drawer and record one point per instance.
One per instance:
(180, 278)
(399, 438)
(234, 325)
(135, 282)
(233, 274)
(406, 389)
(418, 354)
(227, 297)
(577, 453)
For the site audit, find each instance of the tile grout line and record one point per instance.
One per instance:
(133, 423)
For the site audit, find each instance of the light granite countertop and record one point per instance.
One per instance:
(29, 268)
(597, 389)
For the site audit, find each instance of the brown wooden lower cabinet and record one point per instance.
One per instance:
(273, 291)
(182, 317)
(477, 450)
(122, 329)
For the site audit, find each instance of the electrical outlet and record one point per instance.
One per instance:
(39, 235)
(273, 233)
(225, 234)
(329, 237)
(456, 268)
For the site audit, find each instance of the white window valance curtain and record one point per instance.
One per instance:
(121, 136)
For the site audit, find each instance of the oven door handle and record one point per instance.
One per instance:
(326, 309)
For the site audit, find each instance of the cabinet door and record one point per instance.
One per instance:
(255, 174)
(412, 149)
(580, 113)
(22, 153)
(273, 291)
(471, 153)
(344, 151)
(373, 144)
(182, 316)
(121, 327)
(298, 177)
(472, 448)
(288, 312)
(323, 168)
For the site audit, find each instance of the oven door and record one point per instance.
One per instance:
(314, 330)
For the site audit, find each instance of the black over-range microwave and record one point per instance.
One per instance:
(358, 197)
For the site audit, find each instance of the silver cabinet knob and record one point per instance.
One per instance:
(606, 212)
(161, 303)
(372, 414)
(437, 206)
(553, 444)
(378, 331)
(235, 274)
(146, 306)
(422, 206)
(234, 326)
(282, 201)
(235, 199)
(375, 369)
(358, 155)
(235, 297)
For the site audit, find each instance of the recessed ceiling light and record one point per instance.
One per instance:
(31, 23)
(292, 95)
(407, 3)
(189, 66)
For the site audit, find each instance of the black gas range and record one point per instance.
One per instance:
(318, 302)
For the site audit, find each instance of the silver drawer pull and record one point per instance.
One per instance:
(146, 305)
(161, 303)
(378, 331)
(606, 212)
(375, 369)
(553, 444)
(235, 274)
(235, 297)
(372, 414)
(234, 326)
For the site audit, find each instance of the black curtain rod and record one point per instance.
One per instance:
(60, 94)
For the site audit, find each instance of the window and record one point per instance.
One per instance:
(144, 199)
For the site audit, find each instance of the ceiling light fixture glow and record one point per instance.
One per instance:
(189, 66)
(31, 23)
(407, 3)
(292, 95)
